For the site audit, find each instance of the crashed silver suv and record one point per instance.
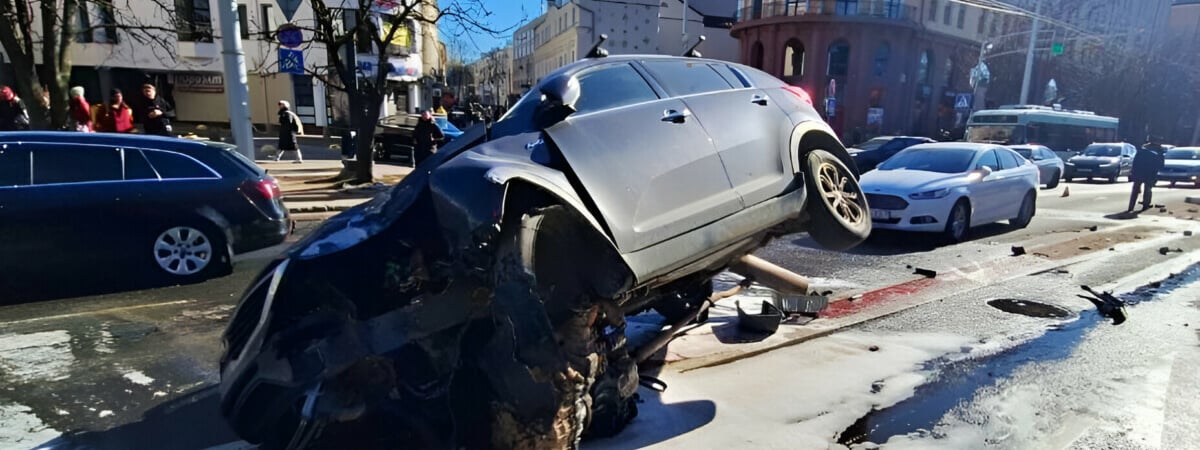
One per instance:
(481, 302)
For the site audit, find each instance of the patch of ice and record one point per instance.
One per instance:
(104, 344)
(21, 429)
(158, 394)
(106, 413)
(43, 356)
(62, 412)
(137, 377)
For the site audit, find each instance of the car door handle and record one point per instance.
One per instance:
(759, 100)
(674, 116)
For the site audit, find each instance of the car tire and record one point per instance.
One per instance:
(555, 337)
(958, 222)
(1028, 209)
(189, 252)
(1113, 179)
(1068, 179)
(838, 208)
(1054, 180)
(1173, 184)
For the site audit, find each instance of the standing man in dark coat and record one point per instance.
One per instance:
(289, 128)
(1146, 164)
(426, 136)
(154, 112)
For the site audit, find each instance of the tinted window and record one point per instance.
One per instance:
(1028, 153)
(610, 87)
(1008, 160)
(730, 76)
(686, 78)
(930, 160)
(988, 160)
(14, 166)
(136, 167)
(174, 165)
(59, 164)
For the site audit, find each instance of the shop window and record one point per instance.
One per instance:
(793, 59)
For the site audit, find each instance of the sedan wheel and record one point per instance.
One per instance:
(1053, 183)
(187, 252)
(958, 224)
(1028, 208)
(840, 218)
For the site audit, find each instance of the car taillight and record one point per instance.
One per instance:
(268, 188)
(799, 92)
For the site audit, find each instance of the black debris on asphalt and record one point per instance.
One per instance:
(925, 272)
(1107, 305)
(1018, 250)
(1187, 233)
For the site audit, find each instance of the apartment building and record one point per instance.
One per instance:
(889, 66)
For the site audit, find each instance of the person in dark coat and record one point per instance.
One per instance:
(13, 115)
(426, 136)
(1146, 164)
(154, 112)
(289, 128)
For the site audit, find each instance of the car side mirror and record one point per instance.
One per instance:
(559, 95)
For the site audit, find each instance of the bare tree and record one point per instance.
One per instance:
(39, 41)
(375, 24)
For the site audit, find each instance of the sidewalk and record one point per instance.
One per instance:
(308, 188)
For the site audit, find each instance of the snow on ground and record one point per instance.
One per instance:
(44, 356)
(796, 398)
(21, 429)
(137, 377)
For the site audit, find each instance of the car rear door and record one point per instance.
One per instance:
(643, 158)
(19, 242)
(987, 195)
(747, 128)
(1014, 182)
(79, 212)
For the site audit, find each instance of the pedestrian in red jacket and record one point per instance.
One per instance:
(81, 111)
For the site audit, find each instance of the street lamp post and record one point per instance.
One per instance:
(1037, 11)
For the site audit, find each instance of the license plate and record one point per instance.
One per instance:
(881, 214)
(1083, 170)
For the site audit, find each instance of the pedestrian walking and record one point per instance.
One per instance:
(289, 127)
(1146, 164)
(426, 136)
(113, 117)
(13, 115)
(154, 112)
(81, 111)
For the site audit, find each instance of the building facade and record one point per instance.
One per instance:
(1184, 29)
(885, 66)
(709, 18)
(492, 74)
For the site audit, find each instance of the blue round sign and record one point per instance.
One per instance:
(290, 36)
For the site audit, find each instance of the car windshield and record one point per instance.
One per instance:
(872, 144)
(1183, 153)
(940, 160)
(1102, 150)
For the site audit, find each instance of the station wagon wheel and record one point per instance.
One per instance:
(840, 215)
(189, 252)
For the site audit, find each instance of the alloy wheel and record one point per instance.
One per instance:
(840, 194)
(183, 251)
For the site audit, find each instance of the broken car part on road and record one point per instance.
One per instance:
(481, 303)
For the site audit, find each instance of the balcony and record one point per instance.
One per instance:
(866, 9)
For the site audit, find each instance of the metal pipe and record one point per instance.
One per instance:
(235, 78)
(771, 275)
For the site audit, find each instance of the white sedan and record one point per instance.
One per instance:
(951, 187)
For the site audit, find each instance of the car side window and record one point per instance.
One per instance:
(610, 87)
(988, 160)
(731, 77)
(681, 78)
(56, 164)
(171, 165)
(136, 166)
(14, 166)
(1008, 159)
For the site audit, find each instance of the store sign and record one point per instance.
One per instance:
(213, 83)
(405, 69)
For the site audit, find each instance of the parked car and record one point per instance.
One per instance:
(951, 187)
(1103, 160)
(869, 154)
(1050, 166)
(616, 185)
(179, 209)
(1182, 165)
(393, 136)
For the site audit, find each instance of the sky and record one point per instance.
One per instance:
(506, 15)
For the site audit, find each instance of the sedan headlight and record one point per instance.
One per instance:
(930, 195)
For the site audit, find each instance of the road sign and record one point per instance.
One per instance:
(1056, 49)
(963, 101)
(289, 8)
(289, 35)
(291, 61)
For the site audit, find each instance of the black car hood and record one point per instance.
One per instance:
(361, 222)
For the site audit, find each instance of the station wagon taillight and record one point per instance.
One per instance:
(267, 188)
(799, 92)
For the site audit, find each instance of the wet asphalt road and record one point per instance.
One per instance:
(137, 368)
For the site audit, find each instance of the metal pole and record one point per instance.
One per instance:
(1037, 12)
(237, 91)
(685, 21)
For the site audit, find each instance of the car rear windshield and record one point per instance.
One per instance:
(1026, 152)
(1183, 154)
(951, 160)
(1102, 150)
(242, 160)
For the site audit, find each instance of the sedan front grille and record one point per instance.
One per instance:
(890, 202)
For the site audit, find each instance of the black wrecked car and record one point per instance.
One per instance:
(121, 205)
(481, 302)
